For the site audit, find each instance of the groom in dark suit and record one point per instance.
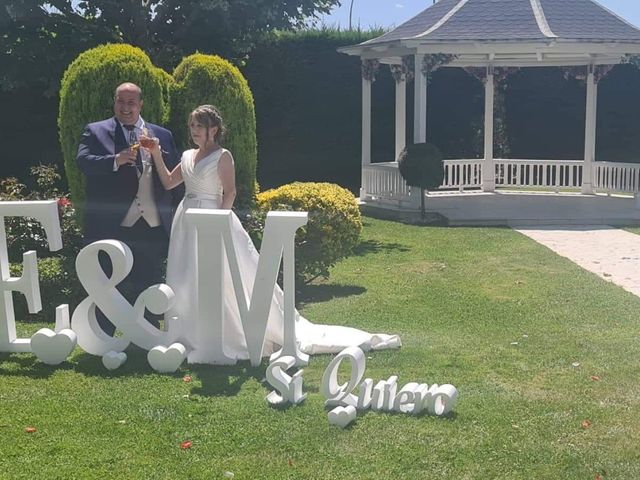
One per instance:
(124, 197)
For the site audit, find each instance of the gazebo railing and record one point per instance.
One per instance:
(383, 184)
(462, 174)
(617, 177)
(554, 174)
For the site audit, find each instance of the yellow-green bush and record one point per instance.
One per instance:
(209, 79)
(333, 229)
(86, 95)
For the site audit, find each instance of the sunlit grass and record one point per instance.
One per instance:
(534, 344)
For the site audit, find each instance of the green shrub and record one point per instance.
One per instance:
(421, 165)
(58, 285)
(24, 234)
(333, 229)
(56, 270)
(209, 79)
(86, 95)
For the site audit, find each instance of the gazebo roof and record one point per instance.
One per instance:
(510, 32)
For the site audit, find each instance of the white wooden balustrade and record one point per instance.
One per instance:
(554, 174)
(382, 183)
(617, 177)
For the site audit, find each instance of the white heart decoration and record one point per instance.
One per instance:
(342, 416)
(113, 360)
(53, 348)
(167, 360)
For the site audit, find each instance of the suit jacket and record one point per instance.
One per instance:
(109, 193)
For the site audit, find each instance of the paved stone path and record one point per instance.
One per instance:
(610, 253)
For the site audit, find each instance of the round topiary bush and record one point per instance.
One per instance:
(209, 79)
(421, 165)
(86, 95)
(333, 229)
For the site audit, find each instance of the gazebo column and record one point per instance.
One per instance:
(369, 69)
(366, 131)
(419, 102)
(488, 167)
(401, 116)
(366, 121)
(590, 133)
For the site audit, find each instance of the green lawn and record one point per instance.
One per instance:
(534, 344)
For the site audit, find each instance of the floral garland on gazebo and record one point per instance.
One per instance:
(404, 71)
(369, 69)
(433, 61)
(580, 73)
(500, 74)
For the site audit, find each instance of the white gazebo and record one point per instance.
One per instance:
(489, 38)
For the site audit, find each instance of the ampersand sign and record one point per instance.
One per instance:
(103, 294)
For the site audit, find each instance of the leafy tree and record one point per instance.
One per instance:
(39, 38)
(420, 165)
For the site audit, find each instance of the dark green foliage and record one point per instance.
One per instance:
(420, 165)
(58, 285)
(208, 79)
(455, 113)
(308, 105)
(58, 282)
(618, 113)
(545, 115)
(25, 234)
(87, 96)
(40, 37)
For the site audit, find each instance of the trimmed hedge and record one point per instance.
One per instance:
(209, 79)
(334, 226)
(308, 108)
(86, 95)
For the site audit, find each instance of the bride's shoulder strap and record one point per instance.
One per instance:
(224, 150)
(186, 154)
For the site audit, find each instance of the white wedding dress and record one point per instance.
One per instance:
(204, 190)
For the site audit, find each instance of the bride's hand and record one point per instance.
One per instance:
(151, 144)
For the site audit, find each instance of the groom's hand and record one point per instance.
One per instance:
(126, 157)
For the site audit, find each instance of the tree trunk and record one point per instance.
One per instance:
(423, 213)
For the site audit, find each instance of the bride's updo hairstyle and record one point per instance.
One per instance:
(209, 116)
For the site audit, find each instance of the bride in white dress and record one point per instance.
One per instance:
(209, 177)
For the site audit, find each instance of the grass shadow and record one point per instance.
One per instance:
(225, 380)
(317, 293)
(136, 364)
(28, 365)
(373, 246)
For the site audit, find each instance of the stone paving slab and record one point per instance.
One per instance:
(610, 253)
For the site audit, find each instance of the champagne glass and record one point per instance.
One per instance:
(147, 141)
(134, 145)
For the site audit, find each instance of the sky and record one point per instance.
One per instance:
(389, 13)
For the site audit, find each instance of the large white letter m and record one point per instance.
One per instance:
(214, 238)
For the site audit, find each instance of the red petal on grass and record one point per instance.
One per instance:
(290, 462)
(598, 477)
(30, 429)
(595, 378)
(586, 423)
(186, 378)
(186, 444)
